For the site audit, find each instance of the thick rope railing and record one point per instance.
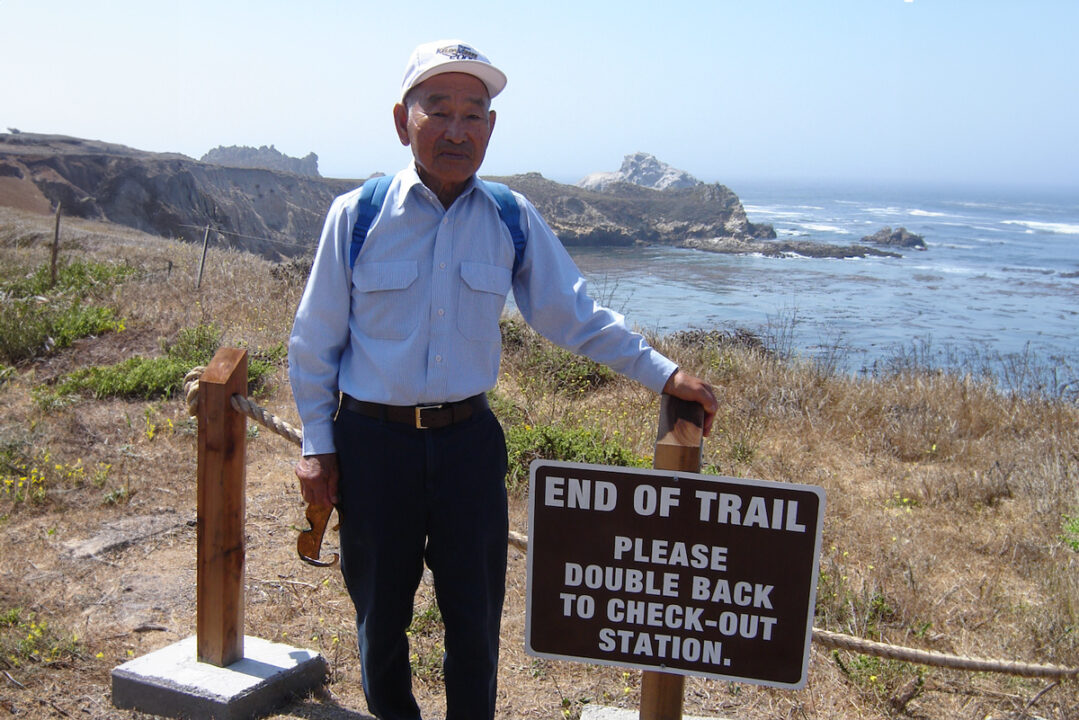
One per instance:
(826, 638)
(839, 641)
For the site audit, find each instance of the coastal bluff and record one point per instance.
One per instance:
(271, 213)
(278, 214)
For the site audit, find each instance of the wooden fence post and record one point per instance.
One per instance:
(678, 447)
(55, 247)
(202, 262)
(220, 578)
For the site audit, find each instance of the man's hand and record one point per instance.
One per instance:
(318, 479)
(684, 386)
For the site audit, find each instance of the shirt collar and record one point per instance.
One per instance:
(411, 182)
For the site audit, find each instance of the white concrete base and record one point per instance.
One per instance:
(171, 682)
(602, 712)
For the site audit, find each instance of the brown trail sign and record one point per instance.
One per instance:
(673, 571)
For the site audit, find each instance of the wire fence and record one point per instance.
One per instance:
(231, 233)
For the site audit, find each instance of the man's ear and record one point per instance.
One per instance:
(490, 121)
(400, 121)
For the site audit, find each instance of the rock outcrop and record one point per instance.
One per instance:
(897, 238)
(625, 213)
(644, 170)
(264, 158)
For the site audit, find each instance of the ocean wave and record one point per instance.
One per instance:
(1029, 270)
(970, 204)
(927, 213)
(968, 226)
(947, 270)
(819, 227)
(1048, 227)
(771, 211)
(890, 210)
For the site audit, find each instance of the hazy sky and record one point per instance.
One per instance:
(948, 91)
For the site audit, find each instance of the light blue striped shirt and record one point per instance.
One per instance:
(425, 297)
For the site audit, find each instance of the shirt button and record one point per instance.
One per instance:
(442, 266)
(438, 358)
(441, 312)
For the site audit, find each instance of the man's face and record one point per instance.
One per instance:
(447, 122)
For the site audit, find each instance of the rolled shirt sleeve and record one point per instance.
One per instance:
(320, 332)
(553, 298)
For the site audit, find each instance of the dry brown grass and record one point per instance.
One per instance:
(942, 531)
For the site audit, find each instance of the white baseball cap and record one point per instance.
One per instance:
(444, 56)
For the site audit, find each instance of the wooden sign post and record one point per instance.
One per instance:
(671, 571)
(222, 437)
(678, 447)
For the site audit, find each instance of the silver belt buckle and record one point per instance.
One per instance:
(419, 415)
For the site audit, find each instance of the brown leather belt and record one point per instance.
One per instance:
(421, 417)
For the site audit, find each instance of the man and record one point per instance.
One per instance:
(390, 360)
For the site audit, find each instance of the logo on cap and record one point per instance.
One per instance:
(458, 52)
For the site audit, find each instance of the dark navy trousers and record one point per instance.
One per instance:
(409, 496)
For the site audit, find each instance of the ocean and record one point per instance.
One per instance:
(999, 281)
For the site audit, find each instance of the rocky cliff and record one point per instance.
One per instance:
(272, 213)
(263, 158)
(641, 169)
(280, 214)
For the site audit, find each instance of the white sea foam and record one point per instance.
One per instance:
(970, 204)
(945, 269)
(927, 213)
(980, 228)
(772, 212)
(1049, 227)
(819, 227)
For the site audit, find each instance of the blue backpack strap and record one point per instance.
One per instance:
(510, 213)
(372, 195)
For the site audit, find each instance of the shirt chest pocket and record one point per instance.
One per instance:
(482, 297)
(386, 302)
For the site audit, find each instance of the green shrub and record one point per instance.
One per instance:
(1070, 531)
(195, 346)
(37, 318)
(136, 377)
(30, 328)
(526, 443)
(541, 362)
(24, 639)
(24, 330)
(159, 377)
(78, 322)
(76, 278)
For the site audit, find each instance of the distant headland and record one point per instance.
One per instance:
(273, 205)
